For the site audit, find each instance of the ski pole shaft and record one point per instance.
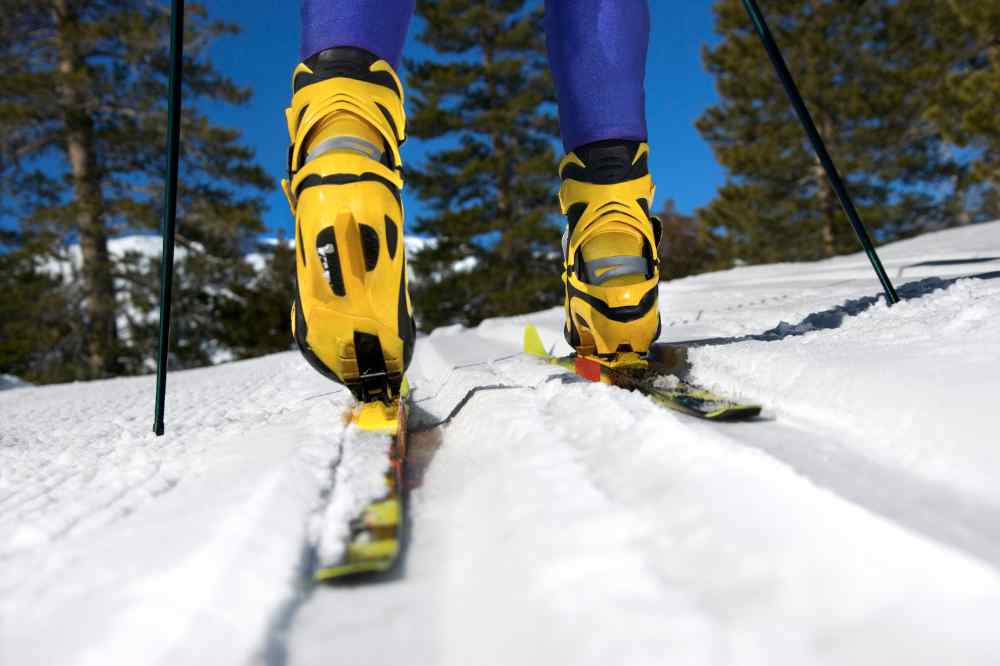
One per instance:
(169, 204)
(774, 53)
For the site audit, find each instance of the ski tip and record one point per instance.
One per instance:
(375, 557)
(735, 412)
(533, 342)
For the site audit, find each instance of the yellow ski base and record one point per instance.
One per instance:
(376, 532)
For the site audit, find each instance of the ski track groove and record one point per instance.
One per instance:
(948, 516)
(814, 486)
(808, 491)
(951, 518)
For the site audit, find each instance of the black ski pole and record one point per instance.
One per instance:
(774, 53)
(169, 203)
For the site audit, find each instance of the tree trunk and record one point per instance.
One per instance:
(505, 246)
(827, 197)
(98, 286)
(827, 209)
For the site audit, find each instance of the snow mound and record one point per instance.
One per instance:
(12, 382)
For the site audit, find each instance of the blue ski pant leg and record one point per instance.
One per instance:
(597, 53)
(378, 26)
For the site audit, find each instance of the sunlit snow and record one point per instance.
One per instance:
(554, 521)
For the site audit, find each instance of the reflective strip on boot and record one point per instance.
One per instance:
(351, 143)
(618, 267)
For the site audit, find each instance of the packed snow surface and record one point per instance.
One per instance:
(553, 521)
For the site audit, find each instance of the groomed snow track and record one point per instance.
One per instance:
(555, 521)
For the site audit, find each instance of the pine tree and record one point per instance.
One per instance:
(256, 319)
(37, 343)
(966, 106)
(491, 191)
(866, 71)
(686, 246)
(82, 118)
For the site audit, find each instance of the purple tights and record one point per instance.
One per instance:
(597, 52)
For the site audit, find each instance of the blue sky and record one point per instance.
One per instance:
(677, 90)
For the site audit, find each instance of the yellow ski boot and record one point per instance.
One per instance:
(611, 269)
(352, 317)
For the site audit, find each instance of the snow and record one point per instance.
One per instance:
(554, 520)
(12, 382)
(359, 479)
(258, 260)
(145, 245)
